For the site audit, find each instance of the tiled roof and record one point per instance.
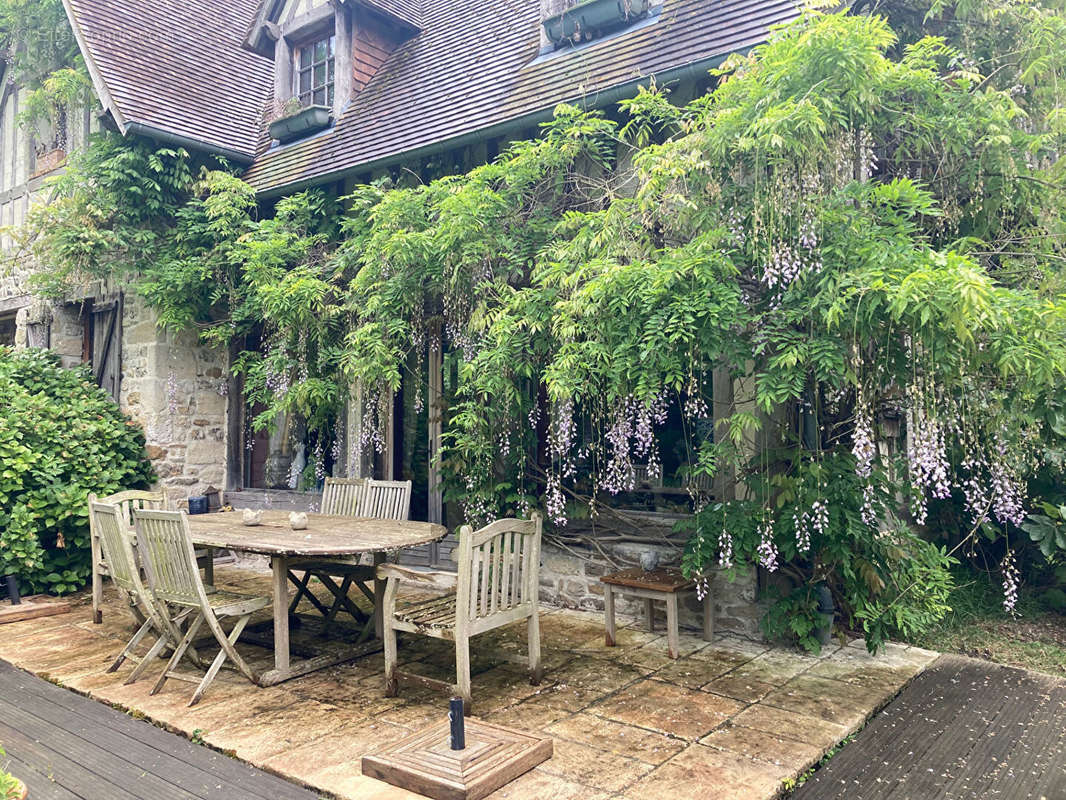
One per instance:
(177, 67)
(475, 66)
(407, 10)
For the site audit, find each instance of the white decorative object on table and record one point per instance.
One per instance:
(298, 520)
(250, 517)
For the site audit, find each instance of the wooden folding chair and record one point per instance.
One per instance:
(167, 551)
(125, 573)
(357, 498)
(497, 584)
(126, 502)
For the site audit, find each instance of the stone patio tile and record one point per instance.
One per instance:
(624, 638)
(687, 644)
(763, 746)
(710, 774)
(873, 676)
(776, 667)
(584, 681)
(790, 725)
(539, 784)
(529, 716)
(732, 643)
(668, 709)
(592, 767)
(739, 687)
(255, 738)
(337, 752)
(692, 672)
(834, 701)
(342, 782)
(562, 631)
(615, 737)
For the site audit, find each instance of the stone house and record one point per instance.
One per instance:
(365, 88)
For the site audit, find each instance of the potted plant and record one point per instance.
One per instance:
(294, 120)
(592, 18)
(11, 788)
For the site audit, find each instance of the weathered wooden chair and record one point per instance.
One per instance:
(173, 577)
(354, 497)
(115, 542)
(497, 584)
(126, 502)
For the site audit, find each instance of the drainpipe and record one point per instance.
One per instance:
(140, 129)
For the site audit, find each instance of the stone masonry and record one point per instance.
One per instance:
(570, 578)
(174, 387)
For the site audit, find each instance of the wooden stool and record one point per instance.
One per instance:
(660, 584)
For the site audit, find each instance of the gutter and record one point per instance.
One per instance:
(196, 145)
(614, 94)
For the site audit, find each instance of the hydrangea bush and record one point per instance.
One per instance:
(61, 437)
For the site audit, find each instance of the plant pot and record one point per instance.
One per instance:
(20, 792)
(591, 18)
(305, 121)
(48, 161)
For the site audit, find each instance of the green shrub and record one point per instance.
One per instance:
(61, 437)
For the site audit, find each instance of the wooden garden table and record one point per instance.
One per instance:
(338, 539)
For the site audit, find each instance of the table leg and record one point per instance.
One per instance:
(379, 597)
(649, 614)
(281, 613)
(672, 637)
(608, 610)
(209, 567)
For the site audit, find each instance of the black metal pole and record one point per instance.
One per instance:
(457, 717)
(12, 589)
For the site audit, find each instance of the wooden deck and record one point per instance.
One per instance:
(65, 746)
(962, 729)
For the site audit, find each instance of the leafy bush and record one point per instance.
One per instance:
(61, 437)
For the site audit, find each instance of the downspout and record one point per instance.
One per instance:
(140, 129)
(696, 69)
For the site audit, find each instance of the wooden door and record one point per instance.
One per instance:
(106, 344)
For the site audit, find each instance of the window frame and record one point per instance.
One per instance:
(324, 90)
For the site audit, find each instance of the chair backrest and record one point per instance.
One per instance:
(130, 499)
(499, 570)
(166, 547)
(343, 497)
(387, 500)
(114, 533)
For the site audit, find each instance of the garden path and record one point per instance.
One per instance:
(962, 729)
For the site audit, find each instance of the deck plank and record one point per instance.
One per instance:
(964, 728)
(73, 747)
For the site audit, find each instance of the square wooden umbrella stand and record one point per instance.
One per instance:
(427, 762)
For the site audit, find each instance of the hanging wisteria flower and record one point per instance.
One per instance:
(803, 532)
(1008, 490)
(862, 446)
(555, 502)
(767, 550)
(1011, 580)
(725, 550)
(869, 515)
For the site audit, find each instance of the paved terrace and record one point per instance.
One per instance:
(733, 719)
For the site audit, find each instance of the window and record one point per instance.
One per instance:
(314, 73)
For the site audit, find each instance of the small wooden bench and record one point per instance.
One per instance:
(660, 584)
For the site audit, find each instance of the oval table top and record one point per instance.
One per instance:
(324, 535)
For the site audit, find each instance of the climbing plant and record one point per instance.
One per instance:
(855, 235)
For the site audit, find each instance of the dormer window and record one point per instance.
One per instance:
(315, 72)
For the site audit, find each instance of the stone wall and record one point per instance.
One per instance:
(570, 577)
(174, 388)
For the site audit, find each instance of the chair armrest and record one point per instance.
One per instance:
(422, 577)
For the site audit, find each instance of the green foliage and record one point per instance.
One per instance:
(9, 784)
(61, 437)
(857, 221)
